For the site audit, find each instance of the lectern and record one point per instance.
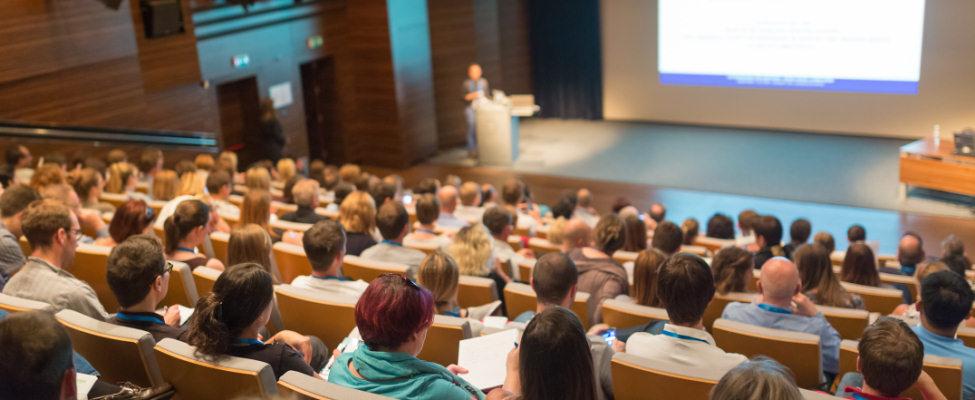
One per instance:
(497, 123)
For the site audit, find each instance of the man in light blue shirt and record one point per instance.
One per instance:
(781, 305)
(946, 300)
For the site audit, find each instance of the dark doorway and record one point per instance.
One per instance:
(320, 90)
(239, 114)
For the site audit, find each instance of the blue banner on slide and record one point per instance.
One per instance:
(791, 83)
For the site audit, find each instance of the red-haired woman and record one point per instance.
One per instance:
(393, 316)
(132, 218)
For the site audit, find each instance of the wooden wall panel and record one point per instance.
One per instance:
(513, 29)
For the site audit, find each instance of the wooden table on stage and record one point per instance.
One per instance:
(930, 166)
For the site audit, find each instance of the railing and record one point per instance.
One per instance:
(22, 130)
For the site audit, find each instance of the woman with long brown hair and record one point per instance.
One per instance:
(636, 234)
(256, 209)
(732, 268)
(251, 243)
(819, 283)
(645, 277)
(860, 266)
(165, 185)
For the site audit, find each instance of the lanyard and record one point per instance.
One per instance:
(153, 319)
(247, 342)
(392, 243)
(186, 249)
(777, 310)
(331, 278)
(685, 337)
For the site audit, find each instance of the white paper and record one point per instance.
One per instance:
(184, 314)
(495, 322)
(84, 383)
(348, 345)
(485, 358)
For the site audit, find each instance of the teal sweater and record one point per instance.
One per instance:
(400, 375)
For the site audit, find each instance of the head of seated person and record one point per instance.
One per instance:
(427, 210)
(88, 185)
(349, 172)
(577, 234)
(826, 240)
(488, 194)
(305, 194)
(759, 378)
(799, 231)
(47, 174)
(768, 232)
(165, 185)
(946, 301)
(856, 233)
(138, 275)
(610, 234)
(565, 206)
(150, 162)
(636, 234)
(860, 266)
(470, 194)
(13, 202)
(324, 245)
(393, 221)
(746, 220)
(645, 269)
(554, 280)
(186, 230)
(286, 169)
(499, 222)
(720, 226)
(37, 358)
(685, 286)
(890, 358)
(386, 191)
(439, 274)
(689, 228)
(394, 315)
(341, 191)
(219, 184)
(818, 278)
(358, 213)
(472, 248)
(554, 360)
(448, 199)
(910, 249)
(732, 267)
(779, 282)
(132, 218)
(257, 177)
(667, 237)
(52, 230)
(256, 208)
(512, 192)
(584, 198)
(250, 243)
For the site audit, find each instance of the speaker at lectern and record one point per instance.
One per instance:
(497, 121)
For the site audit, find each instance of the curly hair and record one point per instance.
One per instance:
(472, 249)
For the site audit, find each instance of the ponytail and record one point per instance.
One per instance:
(172, 236)
(216, 323)
(207, 331)
(188, 215)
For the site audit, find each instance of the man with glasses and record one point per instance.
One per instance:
(138, 275)
(53, 231)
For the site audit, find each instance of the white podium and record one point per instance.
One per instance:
(497, 123)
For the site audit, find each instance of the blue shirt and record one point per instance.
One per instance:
(829, 339)
(942, 346)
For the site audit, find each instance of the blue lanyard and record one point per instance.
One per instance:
(153, 319)
(186, 249)
(777, 310)
(424, 230)
(453, 313)
(685, 337)
(392, 243)
(248, 342)
(331, 278)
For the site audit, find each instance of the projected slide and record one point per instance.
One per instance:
(867, 46)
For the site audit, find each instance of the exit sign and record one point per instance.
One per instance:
(314, 42)
(240, 61)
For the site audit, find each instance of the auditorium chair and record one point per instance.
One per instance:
(876, 299)
(329, 316)
(443, 339)
(220, 242)
(115, 199)
(525, 267)
(280, 208)
(13, 304)
(638, 378)
(542, 246)
(713, 244)
(623, 257)
(426, 247)
(966, 334)
(946, 372)
(848, 322)
(699, 251)
(520, 297)
(752, 284)
(291, 261)
(624, 314)
(182, 289)
(796, 350)
(225, 378)
(896, 280)
(718, 303)
(236, 199)
(296, 385)
(119, 353)
(285, 226)
(332, 215)
(156, 206)
(475, 291)
(24, 246)
(516, 242)
(359, 268)
(204, 278)
(91, 266)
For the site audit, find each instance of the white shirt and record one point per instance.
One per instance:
(440, 241)
(226, 209)
(350, 289)
(583, 214)
(504, 252)
(685, 346)
(469, 213)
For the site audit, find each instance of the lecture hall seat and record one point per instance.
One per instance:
(426, 247)
(119, 353)
(542, 246)
(182, 288)
(525, 267)
(520, 297)
(638, 378)
(848, 322)
(713, 244)
(296, 385)
(204, 278)
(285, 226)
(798, 351)
(876, 299)
(197, 378)
(909, 281)
(290, 260)
(946, 372)
(330, 317)
(623, 257)
(91, 266)
(624, 314)
(355, 267)
(475, 291)
(220, 242)
(12, 304)
(719, 302)
(443, 339)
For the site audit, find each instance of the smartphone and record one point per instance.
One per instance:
(407, 198)
(609, 336)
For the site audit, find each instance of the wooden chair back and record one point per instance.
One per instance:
(901, 280)
(290, 226)
(718, 303)
(311, 312)
(876, 299)
(848, 322)
(367, 270)
(475, 291)
(542, 246)
(624, 314)
(291, 261)
(443, 339)
(623, 257)
(91, 266)
(220, 242)
(182, 289)
(204, 278)
(119, 353)
(700, 251)
(526, 266)
(426, 247)
(519, 297)
(229, 377)
(713, 244)
(296, 385)
(798, 351)
(946, 372)
(637, 378)
(25, 246)
(966, 334)
(12, 304)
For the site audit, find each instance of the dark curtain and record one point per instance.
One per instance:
(566, 58)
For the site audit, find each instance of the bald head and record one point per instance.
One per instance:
(577, 233)
(910, 250)
(779, 280)
(584, 198)
(448, 199)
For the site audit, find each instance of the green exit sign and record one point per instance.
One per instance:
(314, 42)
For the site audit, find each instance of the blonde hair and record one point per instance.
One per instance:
(204, 162)
(192, 183)
(305, 192)
(556, 231)
(257, 178)
(350, 173)
(118, 176)
(438, 273)
(251, 243)
(472, 248)
(358, 212)
(256, 208)
(228, 159)
(164, 185)
(286, 169)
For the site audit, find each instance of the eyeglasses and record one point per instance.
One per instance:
(168, 267)
(407, 281)
(75, 233)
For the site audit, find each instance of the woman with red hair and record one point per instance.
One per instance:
(132, 218)
(393, 316)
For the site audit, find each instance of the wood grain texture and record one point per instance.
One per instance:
(513, 27)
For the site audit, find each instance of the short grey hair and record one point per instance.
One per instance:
(757, 379)
(305, 192)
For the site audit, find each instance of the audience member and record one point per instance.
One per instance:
(513, 196)
(88, 184)
(576, 235)
(47, 174)
(324, 245)
(636, 234)
(165, 185)
(783, 306)
(37, 358)
(910, 311)
(799, 232)
(645, 270)
(13, 202)
(138, 275)
(53, 231)
(394, 223)
(286, 169)
(427, 186)
(116, 156)
(720, 226)
(746, 237)
(122, 179)
(889, 361)
(191, 181)
(251, 244)
(599, 275)
(228, 322)
(732, 269)
(393, 317)
(473, 251)
(448, 203)
(470, 199)
(219, 186)
(689, 228)
(565, 206)
(132, 218)
(825, 239)
(946, 300)
(685, 286)
(819, 282)
(584, 209)
(256, 209)
(489, 196)
(439, 274)
(856, 233)
(150, 163)
(657, 212)
(667, 238)
(500, 224)
(427, 211)
(186, 230)
(17, 168)
(90, 220)
(349, 172)
(358, 217)
(910, 254)
(768, 238)
(758, 379)
(305, 194)
(954, 255)
(860, 266)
